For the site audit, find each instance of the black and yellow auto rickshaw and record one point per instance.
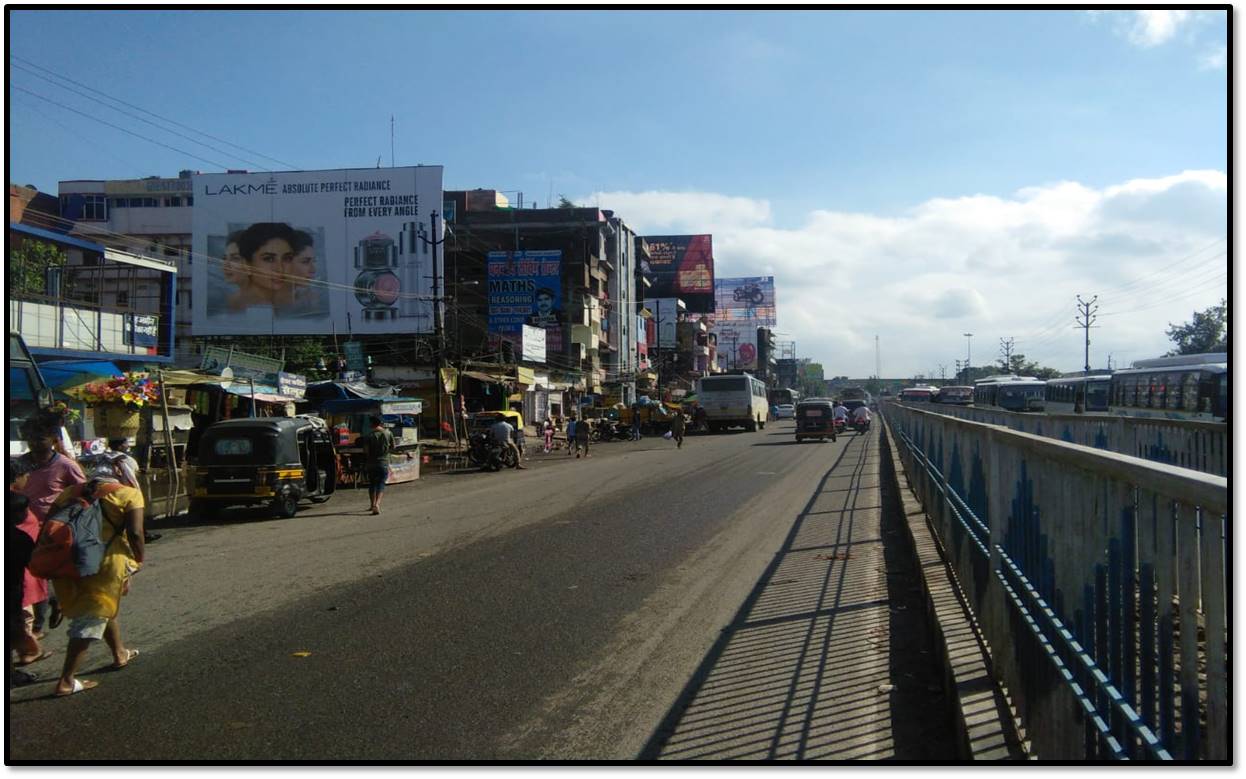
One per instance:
(815, 420)
(273, 460)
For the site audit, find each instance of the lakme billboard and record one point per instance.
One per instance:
(525, 288)
(682, 266)
(311, 252)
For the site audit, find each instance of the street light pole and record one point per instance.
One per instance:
(968, 352)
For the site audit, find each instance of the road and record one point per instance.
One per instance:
(741, 597)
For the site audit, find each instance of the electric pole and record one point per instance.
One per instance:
(1085, 318)
(968, 352)
(437, 300)
(1005, 347)
(942, 372)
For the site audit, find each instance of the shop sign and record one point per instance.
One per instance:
(292, 385)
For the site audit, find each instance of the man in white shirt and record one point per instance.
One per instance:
(861, 415)
(840, 413)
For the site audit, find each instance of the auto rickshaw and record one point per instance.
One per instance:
(815, 420)
(275, 460)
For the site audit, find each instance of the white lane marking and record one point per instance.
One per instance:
(767, 473)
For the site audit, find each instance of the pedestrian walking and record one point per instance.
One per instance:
(47, 473)
(582, 432)
(92, 604)
(571, 426)
(636, 424)
(377, 444)
(677, 429)
(547, 429)
(18, 546)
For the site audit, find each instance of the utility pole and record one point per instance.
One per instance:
(878, 365)
(1085, 318)
(1005, 346)
(437, 300)
(968, 351)
(942, 371)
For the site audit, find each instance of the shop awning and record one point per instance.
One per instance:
(60, 374)
(262, 392)
(485, 377)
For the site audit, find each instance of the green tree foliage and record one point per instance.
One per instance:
(1206, 332)
(29, 261)
(563, 202)
(873, 386)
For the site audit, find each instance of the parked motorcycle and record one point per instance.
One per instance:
(488, 454)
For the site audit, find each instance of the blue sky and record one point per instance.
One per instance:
(794, 114)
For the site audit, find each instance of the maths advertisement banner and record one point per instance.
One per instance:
(681, 266)
(316, 252)
(525, 288)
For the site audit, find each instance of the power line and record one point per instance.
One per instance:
(148, 121)
(118, 127)
(150, 113)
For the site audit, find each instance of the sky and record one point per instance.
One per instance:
(910, 175)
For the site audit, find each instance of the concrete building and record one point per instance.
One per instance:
(148, 217)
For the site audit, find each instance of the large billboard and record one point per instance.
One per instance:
(682, 266)
(666, 314)
(745, 300)
(314, 252)
(525, 288)
(737, 347)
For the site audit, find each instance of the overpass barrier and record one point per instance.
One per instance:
(1097, 579)
(1198, 445)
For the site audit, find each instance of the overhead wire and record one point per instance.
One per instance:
(174, 122)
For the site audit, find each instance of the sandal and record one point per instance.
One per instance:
(80, 685)
(129, 657)
(41, 656)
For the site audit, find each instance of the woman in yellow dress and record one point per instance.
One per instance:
(91, 604)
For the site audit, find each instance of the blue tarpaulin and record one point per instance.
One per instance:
(70, 373)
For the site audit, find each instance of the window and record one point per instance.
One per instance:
(123, 299)
(94, 208)
(190, 201)
(117, 202)
(232, 447)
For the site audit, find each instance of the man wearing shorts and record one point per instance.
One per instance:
(377, 444)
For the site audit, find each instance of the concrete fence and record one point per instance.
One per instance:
(1097, 578)
(1201, 446)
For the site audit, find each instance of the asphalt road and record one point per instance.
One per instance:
(556, 613)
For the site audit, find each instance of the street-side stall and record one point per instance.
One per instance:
(135, 407)
(348, 418)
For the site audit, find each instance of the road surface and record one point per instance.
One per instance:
(744, 596)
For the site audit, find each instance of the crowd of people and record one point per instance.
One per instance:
(45, 484)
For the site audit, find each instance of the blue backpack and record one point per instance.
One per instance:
(71, 544)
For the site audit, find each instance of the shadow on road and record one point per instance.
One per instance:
(806, 668)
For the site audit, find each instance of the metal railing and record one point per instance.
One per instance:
(1097, 578)
(1198, 445)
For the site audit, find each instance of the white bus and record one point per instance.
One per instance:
(733, 401)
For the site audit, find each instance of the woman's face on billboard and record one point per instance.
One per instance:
(268, 263)
(233, 269)
(302, 265)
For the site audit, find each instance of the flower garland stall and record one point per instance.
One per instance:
(118, 403)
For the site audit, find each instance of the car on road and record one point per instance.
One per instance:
(785, 411)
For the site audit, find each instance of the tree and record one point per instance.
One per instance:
(563, 202)
(873, 386)
(1204, 333)
(29, 261)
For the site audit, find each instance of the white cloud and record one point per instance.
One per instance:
(1152, 28)
(997, 266)
(1214, 59)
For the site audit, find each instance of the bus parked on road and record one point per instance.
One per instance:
(733, 400)
(954, 396)
(1013, 393)
(917, 394)
(1064, 393)
(1188, 386)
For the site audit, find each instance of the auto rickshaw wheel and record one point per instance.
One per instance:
(286, 506)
